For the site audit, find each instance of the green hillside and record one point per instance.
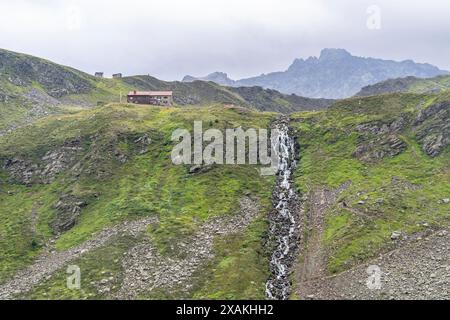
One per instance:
(88, 181)
(408, 85)
(32, 87)
(76, 173)
(370, 167)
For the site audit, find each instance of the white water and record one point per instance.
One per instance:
(282, 223)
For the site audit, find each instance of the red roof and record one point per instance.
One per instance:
(150, 93)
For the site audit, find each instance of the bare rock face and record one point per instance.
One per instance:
(72, 156)
(433, 144)
(379, 140)
(378, 127)
(21, 170)
(53, 162)
(59, 160)
(68, 208)
(432, 127)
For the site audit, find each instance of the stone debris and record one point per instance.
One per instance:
(51, 260)
(146, 269)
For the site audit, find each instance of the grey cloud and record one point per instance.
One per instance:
(169, 39)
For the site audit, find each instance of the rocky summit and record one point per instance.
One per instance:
(335, 74)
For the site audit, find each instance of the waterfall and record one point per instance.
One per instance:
(284, 218)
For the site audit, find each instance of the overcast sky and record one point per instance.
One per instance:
(172, 38)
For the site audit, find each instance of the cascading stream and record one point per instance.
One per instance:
(284, 218)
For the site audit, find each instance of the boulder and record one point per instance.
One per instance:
(396, 235)
(68, 208)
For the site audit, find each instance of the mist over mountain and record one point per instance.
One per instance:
(335, 74)
(217, 77)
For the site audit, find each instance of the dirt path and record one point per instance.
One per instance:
(51, 261)
(314, 263)
(146, 269)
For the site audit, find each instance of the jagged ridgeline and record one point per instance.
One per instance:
(335, 74)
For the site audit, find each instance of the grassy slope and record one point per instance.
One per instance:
(20, 73)
(147, 184)
(441, 83)
(328, 140)
(408, 85)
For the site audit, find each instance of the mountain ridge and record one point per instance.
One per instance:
(335, 74)
(408, 84)
(32, 87)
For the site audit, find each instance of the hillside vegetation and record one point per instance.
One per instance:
(88, 181)
(374, 173)
(408, 84)
(32, 87)
(74, 174)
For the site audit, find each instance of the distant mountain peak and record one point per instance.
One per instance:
(218, 74)
(335, 74)
(334, 54)
(217, 77)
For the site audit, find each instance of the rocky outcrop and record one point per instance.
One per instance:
(379, 140)
(59, 160)
(27, 171)
(376, 150)
(142, 143)
(379, 127)
(432, 126)
(198, 169)
(73, 156)
(21, 170)
(68, 208)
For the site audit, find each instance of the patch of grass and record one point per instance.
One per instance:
(21, 237)
(240, 268)
(99, 269)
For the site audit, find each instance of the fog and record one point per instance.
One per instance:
(171, 38)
